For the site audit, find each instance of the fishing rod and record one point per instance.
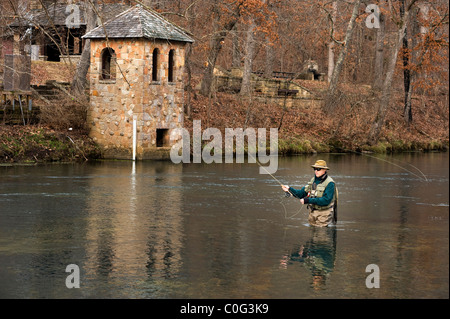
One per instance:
(288, 193)
(389, 162)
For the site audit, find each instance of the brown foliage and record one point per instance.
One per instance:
(64, 113)
(43, 144)
(345, 130)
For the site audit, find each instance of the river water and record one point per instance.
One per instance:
(161, 230)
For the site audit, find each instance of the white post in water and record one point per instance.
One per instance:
(134, 137)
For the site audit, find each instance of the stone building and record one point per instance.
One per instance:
(137, 66)
(51, 30)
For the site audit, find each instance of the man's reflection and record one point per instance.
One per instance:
(318, 254)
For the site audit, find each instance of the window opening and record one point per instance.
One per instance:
(155, 65)
(171, 65)
(108, 64)
(162, 137)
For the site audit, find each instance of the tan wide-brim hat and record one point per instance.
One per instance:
(320, 164)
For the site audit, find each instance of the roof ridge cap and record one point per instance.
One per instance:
(107, 22)
(160, 16)
(143, 14)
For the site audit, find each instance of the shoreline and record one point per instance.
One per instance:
(39, 144)
(31, 145)
(302, 147)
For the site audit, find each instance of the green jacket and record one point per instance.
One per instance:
(325, 192)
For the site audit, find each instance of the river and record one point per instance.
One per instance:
(161, 230)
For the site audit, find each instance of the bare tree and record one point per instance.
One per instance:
(269, 49)
(270, 59)
(379, 54)
(236, 55)
(407, 73)
(79, 81)
(331, 44)
(385, 98)
(329, 102)
(215, 46)
(246, 86)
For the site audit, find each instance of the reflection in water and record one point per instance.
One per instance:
(134, 223)
(318, 254)
(159, 230)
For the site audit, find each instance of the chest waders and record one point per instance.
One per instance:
(317, 190)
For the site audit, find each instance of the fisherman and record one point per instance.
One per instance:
(320, 194)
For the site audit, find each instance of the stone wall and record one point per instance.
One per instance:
(133, 94)
(303, 103)
(232, 81)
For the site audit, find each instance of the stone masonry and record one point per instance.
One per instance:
(132, 91)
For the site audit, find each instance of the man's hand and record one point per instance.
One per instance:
(302, 201)
(285, 188)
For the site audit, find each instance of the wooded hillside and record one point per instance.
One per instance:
(385, 65)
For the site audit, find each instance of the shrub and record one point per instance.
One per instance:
(65, 112)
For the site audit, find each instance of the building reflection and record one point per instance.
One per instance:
(318, 254)
(134, 223)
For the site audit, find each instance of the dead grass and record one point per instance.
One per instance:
(36, 144)
(309, 130)
(64, 113)
(42, 71)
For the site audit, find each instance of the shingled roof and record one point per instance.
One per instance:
(57, 14)
(139, 22)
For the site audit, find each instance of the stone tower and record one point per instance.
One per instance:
(136, 72)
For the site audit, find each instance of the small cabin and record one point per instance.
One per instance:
(136, 73)
(51, 30)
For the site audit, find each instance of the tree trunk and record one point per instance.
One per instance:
(407, 85)
(236, 62)
(358, 49)
(188, 63)
(331, 46)
(331, 94)
(423, 29)
(215, 47)
(385, 98)
(407, 112)
(412, 60)
(406, 72)
(246, 86)
(187, 108)
(330, 60)
(379, 55)
(79, 81)
(270, 59)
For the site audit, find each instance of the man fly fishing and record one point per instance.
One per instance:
(320, 194)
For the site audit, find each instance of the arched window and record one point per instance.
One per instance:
(171, 65)
(155, 65)
(108, 64)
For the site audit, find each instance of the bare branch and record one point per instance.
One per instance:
(330, 17)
